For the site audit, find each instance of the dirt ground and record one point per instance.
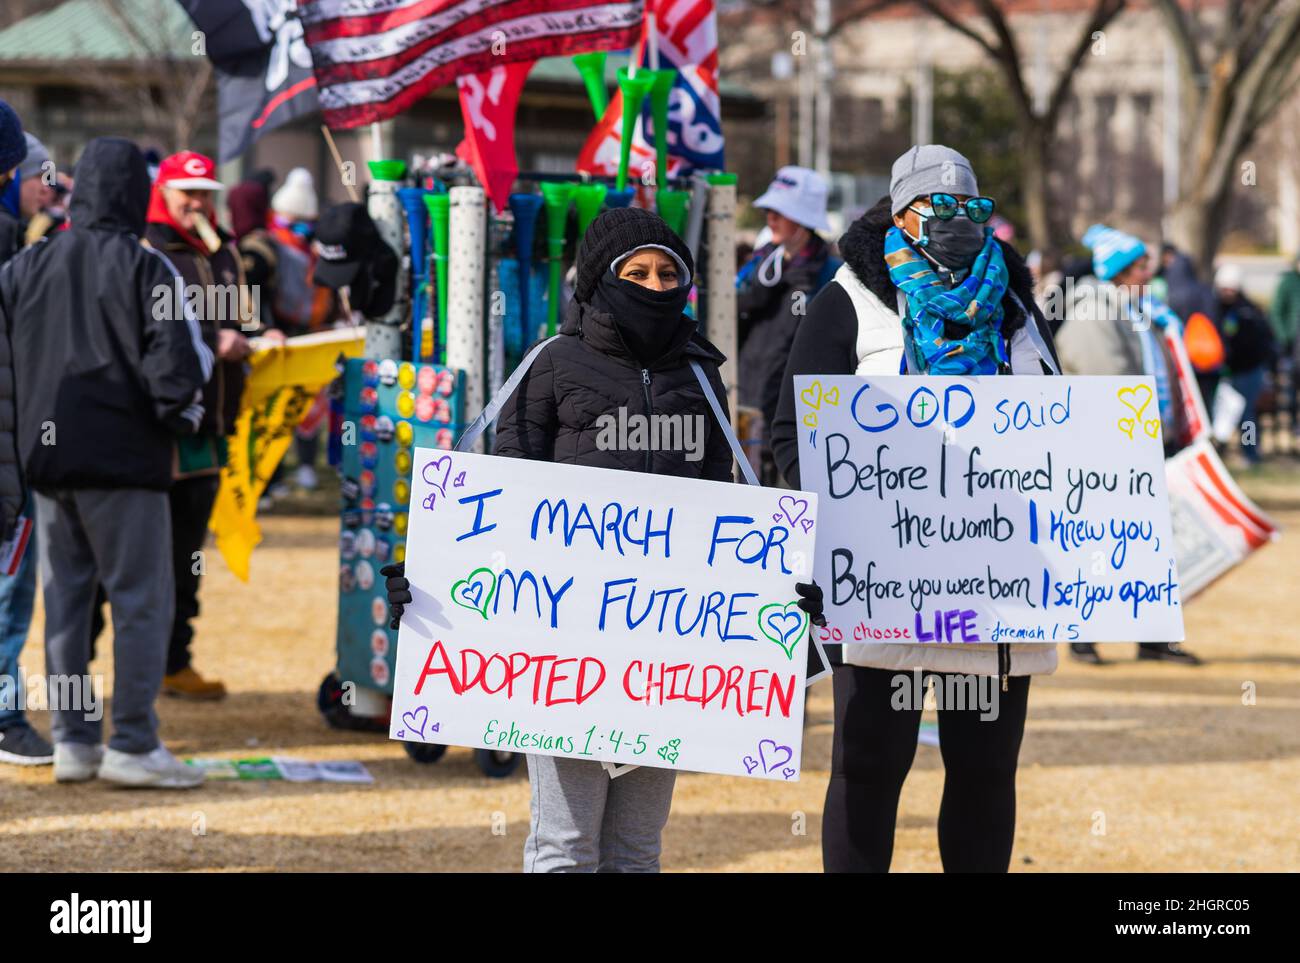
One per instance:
(1127, 767)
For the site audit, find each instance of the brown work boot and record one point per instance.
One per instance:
(188, 684)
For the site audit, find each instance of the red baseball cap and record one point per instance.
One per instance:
(188, 171)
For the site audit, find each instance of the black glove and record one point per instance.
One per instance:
(810, 600)
(399, 592)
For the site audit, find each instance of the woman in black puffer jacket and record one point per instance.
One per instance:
(629, 347)
(624, 351)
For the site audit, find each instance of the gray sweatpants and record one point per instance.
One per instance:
(585, 822)
(122, 539)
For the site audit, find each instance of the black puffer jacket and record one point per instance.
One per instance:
(556, 413)
(767, 318)
(99, 370)
(11, 479)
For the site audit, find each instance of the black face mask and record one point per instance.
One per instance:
(955, 243)
(647, 320)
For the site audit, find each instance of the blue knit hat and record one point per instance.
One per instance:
(1112, 250)
(13, 145)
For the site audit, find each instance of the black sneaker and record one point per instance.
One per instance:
(1085, 652)
(1166, 652)
(22, 745)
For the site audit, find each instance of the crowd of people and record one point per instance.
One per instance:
(127, 313)
(116, 408)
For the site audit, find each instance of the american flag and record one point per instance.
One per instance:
(374, 58)
(687, 32)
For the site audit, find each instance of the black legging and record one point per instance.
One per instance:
(872, 753)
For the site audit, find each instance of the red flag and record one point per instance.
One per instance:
(688, 42)
(487, 102)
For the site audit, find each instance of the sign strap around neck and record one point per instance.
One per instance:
(737, 452)
(493, 408)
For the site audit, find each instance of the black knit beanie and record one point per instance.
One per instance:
(617, 231)
(13, 145)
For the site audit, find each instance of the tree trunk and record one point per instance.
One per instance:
(1037, 149)
(1188, 225)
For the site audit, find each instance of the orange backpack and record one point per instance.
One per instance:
(1204, 346)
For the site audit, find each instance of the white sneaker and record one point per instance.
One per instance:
(157, 769)
(76, 761)
(306, 478)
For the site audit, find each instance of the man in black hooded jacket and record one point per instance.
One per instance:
(107, 371)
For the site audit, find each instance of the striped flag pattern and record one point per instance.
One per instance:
(688, 42)
(374, 58)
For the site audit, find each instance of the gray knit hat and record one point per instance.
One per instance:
(928, 168)
(33, 164)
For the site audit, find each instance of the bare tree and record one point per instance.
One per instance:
(163, 87)
(1234, 77)
(986, 23)
(1038, 129)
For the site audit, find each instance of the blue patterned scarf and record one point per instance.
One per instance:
(974, 305)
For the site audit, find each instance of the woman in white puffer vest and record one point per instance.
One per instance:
(855, 326)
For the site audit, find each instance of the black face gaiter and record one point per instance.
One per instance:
(648, 320)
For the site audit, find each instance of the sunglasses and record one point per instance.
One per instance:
(978, 209)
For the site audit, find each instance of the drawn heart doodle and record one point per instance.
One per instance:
(437, 472)
(832, 397)
(1152, 428)
(750, 763)
(772, 749)
(460, 481)
(668, 753)
(810, 419)
(812, 395)
(787, 772)
(409, 720)
(783, 623)
(788, 504)
(807, 524)
(475, 590)
(1133, 394)
(1136, 400)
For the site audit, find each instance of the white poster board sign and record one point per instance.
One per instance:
(604, 615)
(1215, 525)
(990, 509)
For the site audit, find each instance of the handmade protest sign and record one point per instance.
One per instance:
(989, 509)
(604, 615)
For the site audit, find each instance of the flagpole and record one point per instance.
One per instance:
(338, 162)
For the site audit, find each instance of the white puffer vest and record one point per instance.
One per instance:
(880, 352)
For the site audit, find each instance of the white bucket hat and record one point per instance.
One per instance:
(799, 194)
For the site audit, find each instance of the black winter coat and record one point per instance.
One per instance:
(767, 318)
(97, 359)
(1247, 334)
(222, 393)
(556, 412)
(12, 494)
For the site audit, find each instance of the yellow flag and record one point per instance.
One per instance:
(281, 386)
